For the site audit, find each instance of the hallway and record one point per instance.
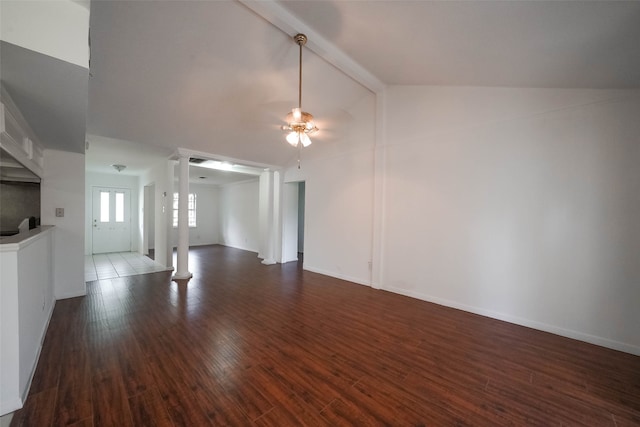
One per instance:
(118, 264)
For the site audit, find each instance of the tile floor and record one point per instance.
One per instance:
(118, 264)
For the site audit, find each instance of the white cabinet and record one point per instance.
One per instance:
(16, 136)
(26, 304)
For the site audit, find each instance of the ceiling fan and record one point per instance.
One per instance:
(300, 124)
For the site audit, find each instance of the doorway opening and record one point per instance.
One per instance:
(301, 197)
(293, 206)
(148, 220)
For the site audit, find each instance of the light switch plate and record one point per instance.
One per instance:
(60, 212)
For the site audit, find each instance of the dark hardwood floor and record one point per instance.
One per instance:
(245, 344)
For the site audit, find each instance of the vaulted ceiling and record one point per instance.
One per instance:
(209, 76)
(219, 76)
(541, 44)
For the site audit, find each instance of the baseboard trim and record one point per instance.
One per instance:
(238, 247)
(14, 405)
(568, 333)
(10, 406)
(43, 334)
(74, 294)
(336, 275)
(5, 420)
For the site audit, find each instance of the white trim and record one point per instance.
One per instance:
(10, 406)
(352, 279)
(185, 152)
(73, 294)
(20, 241)
(231, 184)
(241, 248)
(5, 420)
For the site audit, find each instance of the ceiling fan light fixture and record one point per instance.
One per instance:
(297, 114)
(300, 124)
(293, 138)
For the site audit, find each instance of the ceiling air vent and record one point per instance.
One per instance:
(196, 161)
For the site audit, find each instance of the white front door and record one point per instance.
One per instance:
(111, 220)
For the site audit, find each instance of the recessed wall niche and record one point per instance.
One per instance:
(19, 193)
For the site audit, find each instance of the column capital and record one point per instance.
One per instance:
(182, 153)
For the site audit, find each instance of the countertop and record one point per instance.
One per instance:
(18, 241)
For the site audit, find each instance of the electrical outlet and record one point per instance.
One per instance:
(60, 212)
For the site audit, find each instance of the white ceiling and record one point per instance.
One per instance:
(219, 76)
(541, 44)
(212, 172)
(208, 76)
(102, 153)
(51, 94)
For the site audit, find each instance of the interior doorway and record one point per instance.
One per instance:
(293, 201)
(111, 220)
(301, 197)
(148, 219)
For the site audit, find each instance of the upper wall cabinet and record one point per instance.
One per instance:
(16, 136)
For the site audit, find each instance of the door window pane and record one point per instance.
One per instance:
(192, 210)
(119, 207)
(104, 206)
(175, 210)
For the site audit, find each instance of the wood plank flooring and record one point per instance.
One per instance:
(243, 344)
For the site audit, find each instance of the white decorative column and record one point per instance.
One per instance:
(183, 219)
(266, 217)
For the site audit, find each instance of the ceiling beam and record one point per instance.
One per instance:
(290, 24)
(186, 152)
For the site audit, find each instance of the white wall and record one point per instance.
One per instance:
(94, 179)
(519, 204)
(338, 203)
(301, 206)
(29, 24)
(239, 215)
(160, 176)
(338, 177)
(207, 231)
(290, 222)
(63, 187)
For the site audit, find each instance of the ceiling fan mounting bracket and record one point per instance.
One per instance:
(301, 39)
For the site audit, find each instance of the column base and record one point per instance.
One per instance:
(182, 276)
(268, 261)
